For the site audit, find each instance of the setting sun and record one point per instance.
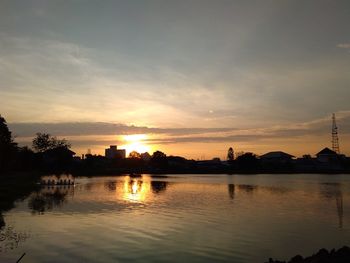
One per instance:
(135, 142)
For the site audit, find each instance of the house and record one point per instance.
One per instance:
(58, 157)
(277, 157)
(327, 156)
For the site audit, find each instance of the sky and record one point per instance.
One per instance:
(191, 78)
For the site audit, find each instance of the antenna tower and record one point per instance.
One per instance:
(335, 139)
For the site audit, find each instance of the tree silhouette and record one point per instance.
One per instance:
(7, 145)
(44, 141)
(146, 156)
(134, 155)
(230, 154)
(159, 160)
(247, 161)
(158, 155)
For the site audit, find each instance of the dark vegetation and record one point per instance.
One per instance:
(14, 186)
(341, 255)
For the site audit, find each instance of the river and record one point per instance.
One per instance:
(179, 218)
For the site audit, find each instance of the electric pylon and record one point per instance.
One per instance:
(335, 139)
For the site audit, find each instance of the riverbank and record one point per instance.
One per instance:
(341, 255)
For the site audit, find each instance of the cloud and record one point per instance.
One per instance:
(97, 131)
(62, 78)
(344, 45)
(169, 65)
(59, 81)
(102, 128)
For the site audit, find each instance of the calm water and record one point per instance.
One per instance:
(181, 218)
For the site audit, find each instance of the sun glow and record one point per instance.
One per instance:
(135, 137)
(135, 142)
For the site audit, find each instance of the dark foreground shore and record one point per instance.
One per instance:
(341, 255)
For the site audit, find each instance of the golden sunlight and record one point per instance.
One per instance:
(135, 137)
(135, 142)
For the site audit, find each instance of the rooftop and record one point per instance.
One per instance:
(327, 151)
(276, 154)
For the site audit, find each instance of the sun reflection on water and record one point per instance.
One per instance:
(136, 189)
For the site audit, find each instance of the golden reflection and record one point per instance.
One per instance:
(135, 186)
(136, 189)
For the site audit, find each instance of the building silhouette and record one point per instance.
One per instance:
(112, 152)
(277, 157)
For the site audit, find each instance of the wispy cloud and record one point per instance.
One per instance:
(103, 128)
(184, 135)
(344, 45)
